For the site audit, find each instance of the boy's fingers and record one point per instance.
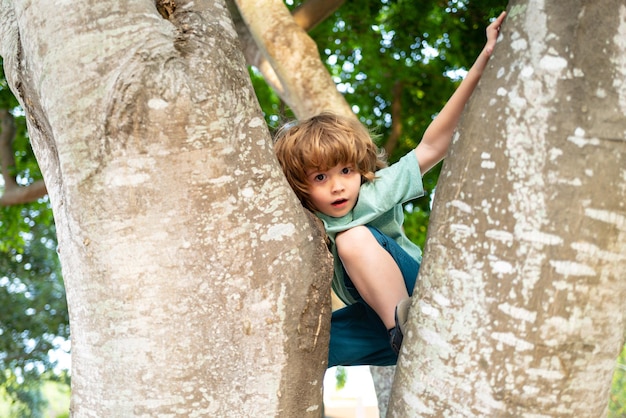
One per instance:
(500, 19)
(496, 24)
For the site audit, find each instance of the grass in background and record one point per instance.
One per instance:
(617, 399)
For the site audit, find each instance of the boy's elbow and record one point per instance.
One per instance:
(428, 156)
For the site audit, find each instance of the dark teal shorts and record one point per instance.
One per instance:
(357, 335)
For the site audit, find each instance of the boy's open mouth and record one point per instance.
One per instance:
(339, 202)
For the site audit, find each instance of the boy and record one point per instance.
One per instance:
(337, 172)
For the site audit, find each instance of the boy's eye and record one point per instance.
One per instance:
(346, 170)
(319, 177)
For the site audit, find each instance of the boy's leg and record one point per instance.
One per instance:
(357, 334)
(373, 271)
(358, 337)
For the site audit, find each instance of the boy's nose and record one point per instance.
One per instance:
(337, 185)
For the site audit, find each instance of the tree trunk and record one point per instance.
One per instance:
(522, 295)
(192, 273)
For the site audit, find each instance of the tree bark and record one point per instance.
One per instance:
(306, 16)
(195, 282)
(521, 293)
(311, 13)
(288, 59)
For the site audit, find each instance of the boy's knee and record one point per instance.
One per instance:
(352, 241)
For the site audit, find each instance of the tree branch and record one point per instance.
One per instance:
(313, 12)
(14, 194)
(396, 118)
(7, 161)
(265, 47)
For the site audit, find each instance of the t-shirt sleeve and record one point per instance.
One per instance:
(393, 185)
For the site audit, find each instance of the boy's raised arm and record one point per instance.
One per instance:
(436, 140)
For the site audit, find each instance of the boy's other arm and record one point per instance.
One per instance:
(436, 140)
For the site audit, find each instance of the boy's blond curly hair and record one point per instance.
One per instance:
(322, 142)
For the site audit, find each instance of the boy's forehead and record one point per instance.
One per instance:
(318, 168)
(314, 169)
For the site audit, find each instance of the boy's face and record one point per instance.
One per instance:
(334, 192)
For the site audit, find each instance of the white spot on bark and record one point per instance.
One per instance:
(221, 180)
(554, 153)
(256, 122)
(518, 313)
(530, 390)
(527, 71)
(488, 164)
(540, 238)
(488, 400)
(592, 251)
(462, 206)
(499, 235)
(519, 45)
(546, 374)
(247, 192)
(571, 268)
(157, 104)
(501, 267)
(518, 103)
(428, 309)
(606, 216)
(278, 231)
(441, 300)
(434, 339)
(556, 178)
(508, 338)
(580, 140)
(557, 329)
(552, 63)
(460, 275)
(462, 230)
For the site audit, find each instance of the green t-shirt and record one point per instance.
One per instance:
(379, 205)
